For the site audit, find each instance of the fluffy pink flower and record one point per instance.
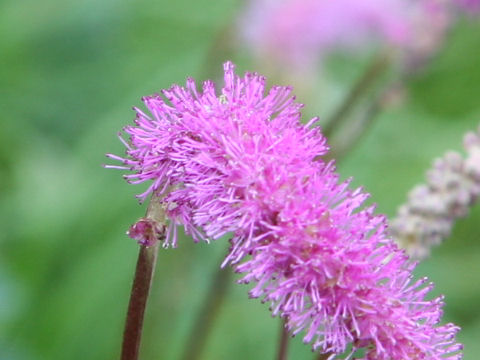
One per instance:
(242, 163)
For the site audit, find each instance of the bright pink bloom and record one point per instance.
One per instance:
(242, 163)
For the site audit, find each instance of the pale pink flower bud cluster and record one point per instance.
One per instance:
(242, 164)
(452, 187)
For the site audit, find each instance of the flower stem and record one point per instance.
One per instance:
(374, 70)
(344, 143)
(147, 257)
(324, 356)
(283, 343)
(348, 138)
(211, 306)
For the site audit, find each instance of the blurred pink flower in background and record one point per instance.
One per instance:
(469, 5)
(302, 31)
(429, 20)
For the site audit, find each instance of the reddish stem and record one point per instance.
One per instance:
(283, 344)
(132, 334)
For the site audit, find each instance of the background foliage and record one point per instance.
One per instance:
(69, 74)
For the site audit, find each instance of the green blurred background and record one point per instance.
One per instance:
(69, 74)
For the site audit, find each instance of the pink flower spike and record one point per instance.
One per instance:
(240, 163)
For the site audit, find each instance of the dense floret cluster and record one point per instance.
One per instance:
(242, 163)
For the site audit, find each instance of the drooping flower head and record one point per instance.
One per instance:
(240, 162)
